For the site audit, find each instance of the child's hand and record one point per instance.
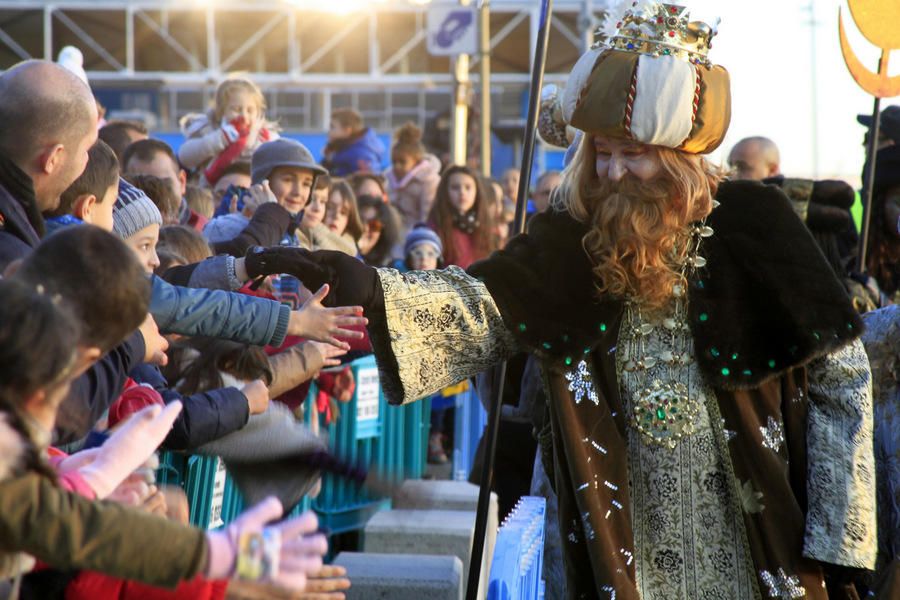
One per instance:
(300, 552)
(258, 195)
(257, 394)
(229, 132)
(155, 344)
(316, 322)
(329, 354)
(129, 447)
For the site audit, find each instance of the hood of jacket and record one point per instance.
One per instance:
(427, 168)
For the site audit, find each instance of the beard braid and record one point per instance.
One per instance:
(639, 237)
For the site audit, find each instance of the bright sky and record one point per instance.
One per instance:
(767, 47)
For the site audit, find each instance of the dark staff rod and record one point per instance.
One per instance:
(493, 424)
(869, 180)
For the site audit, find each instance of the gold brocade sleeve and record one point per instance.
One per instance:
(840, 518)
(443, 327)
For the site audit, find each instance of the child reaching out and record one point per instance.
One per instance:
(231, 131)
(39, 359)
(463, 217)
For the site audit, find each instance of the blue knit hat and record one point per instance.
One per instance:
(133, 211)
(420, 234)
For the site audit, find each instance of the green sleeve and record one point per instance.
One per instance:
(68, 531)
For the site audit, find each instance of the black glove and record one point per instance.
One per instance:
(275, 260)
(353, 283)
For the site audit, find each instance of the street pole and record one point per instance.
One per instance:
(871, 151)
(484, 16)
(461, 91)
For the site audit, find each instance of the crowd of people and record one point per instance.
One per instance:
(688, 381)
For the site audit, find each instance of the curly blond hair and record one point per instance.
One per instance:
(638, 235)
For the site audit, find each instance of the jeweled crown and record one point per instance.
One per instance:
(659, 29)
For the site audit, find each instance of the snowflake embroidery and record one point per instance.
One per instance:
(781, 586)
(580, 383)
(772, 435)
(729, 433)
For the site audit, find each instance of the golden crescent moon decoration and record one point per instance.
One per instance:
(877, 21)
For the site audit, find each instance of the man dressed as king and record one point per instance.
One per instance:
(708, 398)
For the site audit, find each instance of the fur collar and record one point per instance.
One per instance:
(765, 302)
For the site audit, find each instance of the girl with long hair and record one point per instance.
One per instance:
(463, 217)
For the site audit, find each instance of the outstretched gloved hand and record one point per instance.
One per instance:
(352, 282)
(129, 447)
(300, 553)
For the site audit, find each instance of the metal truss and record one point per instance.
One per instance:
(181, 46)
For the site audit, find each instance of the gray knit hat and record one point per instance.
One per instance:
(283, 152)
(133, 211)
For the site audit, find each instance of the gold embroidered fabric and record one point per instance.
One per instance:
(684, 494)
(444, 327)
(840, 520)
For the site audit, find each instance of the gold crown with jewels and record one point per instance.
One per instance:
(659, 29)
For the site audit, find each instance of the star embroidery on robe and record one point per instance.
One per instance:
(781, 586)
(580, 383)
(772, 435)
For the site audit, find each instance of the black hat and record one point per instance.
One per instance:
(890, 122)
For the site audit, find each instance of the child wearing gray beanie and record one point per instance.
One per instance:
(133, 211)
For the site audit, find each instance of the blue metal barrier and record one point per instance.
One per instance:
(469, 422)
(389, 439)
(519, 553)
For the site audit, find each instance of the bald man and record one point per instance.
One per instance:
(755, 158)
(48, 121)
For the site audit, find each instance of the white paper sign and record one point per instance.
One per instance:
(367, 392)
(218, 496)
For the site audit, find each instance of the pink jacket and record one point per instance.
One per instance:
(413, 195)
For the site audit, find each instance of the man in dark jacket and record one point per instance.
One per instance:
(49, 119)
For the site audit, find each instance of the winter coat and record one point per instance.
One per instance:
(206, 416)
(413, 195)
(360, 153)
(67, 531)
(216, 313)
(21, 224)
(204, 141)
(320, 237)
(92, 393)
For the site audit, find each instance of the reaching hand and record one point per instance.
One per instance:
(129, 447)
(352, 281)
(300, 553)
(229, 132)
(155, 345)
(330, 354)
(316, 322)
(258, 195)
(283, 259)
(257, 394)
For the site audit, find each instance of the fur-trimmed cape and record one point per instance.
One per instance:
(765, 302)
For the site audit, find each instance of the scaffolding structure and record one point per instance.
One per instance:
(165, 57)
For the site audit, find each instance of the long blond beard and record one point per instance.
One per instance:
(639, 237)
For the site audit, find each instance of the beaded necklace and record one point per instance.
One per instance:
(662, 409)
